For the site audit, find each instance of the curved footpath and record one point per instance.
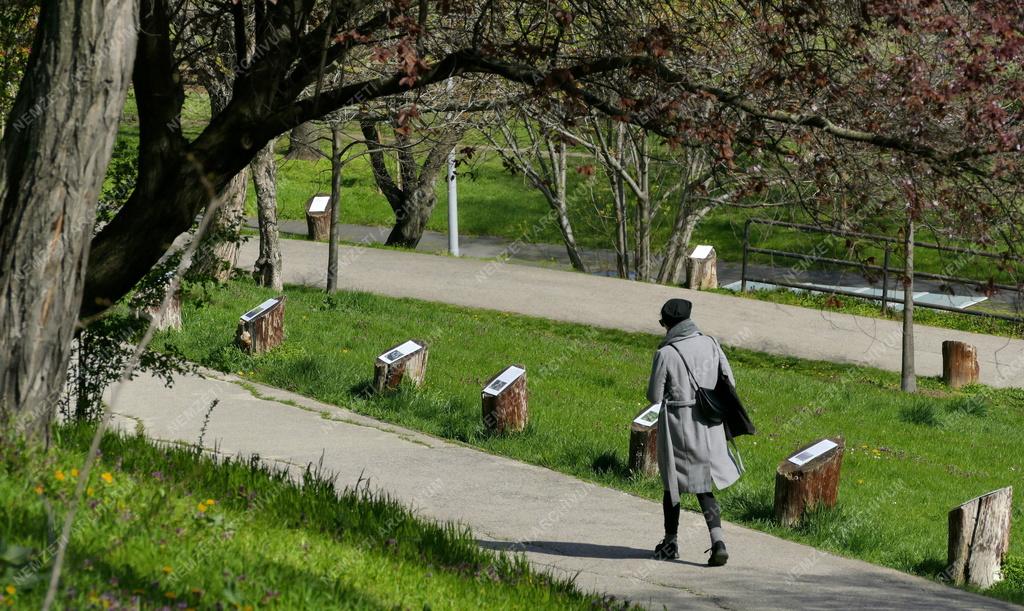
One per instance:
(633, 306)
(572, 528)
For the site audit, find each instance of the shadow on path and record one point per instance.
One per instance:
(578, 550)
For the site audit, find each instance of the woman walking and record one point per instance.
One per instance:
(692, 453)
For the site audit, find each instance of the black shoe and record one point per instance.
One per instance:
(666, 551)
(719, 555)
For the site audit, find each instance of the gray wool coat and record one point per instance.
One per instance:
(692, 454)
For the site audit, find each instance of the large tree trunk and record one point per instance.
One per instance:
(302, 142)
(52, 163)
(267, 270)
(411, 219)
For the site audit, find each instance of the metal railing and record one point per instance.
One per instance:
(885, 269)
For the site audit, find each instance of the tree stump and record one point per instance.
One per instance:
(505, 401)
(702, 268)
(959, 364)
(261, 328)
(408, 359)
(168, 319)
(979, 538)
(807, 479)
(318, 217)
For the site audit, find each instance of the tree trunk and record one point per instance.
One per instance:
(644, 213)
(411, 219)
(302, 142)
(979, 539)
(621, 218)
(560, 204)
(908, 381)
(801, 488)
(53, 158)
(267, 270)
(334, 205)
(959, 364)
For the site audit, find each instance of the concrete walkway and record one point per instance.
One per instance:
(632, 306)
(572, 528)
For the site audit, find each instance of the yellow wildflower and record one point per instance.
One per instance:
(107, 477)
(201, 507)
(10, 589)
(167, 570)
(88, 491)
(74, 473)
(39, 489)
(211, 502)
(58, 475)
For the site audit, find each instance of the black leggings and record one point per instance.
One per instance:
(708, 505)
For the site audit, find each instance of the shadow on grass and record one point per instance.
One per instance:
(609, 463)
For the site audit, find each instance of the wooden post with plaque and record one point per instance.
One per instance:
(318, 217)
(261, 328)
(979, 538)
(959, 364)
(702, 268)
(643, 442)
(808, 479)
(505, 401)
(408, 359)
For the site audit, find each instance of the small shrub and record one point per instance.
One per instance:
(921, 412)
(976, 405)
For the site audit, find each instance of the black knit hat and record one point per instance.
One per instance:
(675, 310)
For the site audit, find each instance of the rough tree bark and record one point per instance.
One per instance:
(411, 193)
(302, 142)
(267, 270)
(53, 158)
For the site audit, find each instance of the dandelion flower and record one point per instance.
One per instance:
(74, 473)
(10, 589)
(88, 491)
(211, 502)
(107, 477)
(39, 489)
(58, 475)
(167, 570)
(201, 507)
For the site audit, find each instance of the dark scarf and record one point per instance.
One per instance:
(680, 330)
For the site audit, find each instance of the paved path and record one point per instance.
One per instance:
(602, 261)
(564, 525)
(632, 306)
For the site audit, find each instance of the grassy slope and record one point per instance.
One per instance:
(911, 458)
(169, 527)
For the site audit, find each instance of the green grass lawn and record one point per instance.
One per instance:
(168, 527)
(910, 459)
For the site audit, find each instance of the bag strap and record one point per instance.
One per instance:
(696, 386)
